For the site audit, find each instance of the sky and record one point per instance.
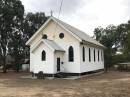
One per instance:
(85, 15)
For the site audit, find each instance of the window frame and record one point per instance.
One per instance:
(61, 35)
(83, 54)
(71, 54)
(43, 56)
(89, 55)
(94, 57)
(98, 56)
(102, 57)
(44, 36)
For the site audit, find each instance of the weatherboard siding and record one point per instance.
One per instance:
(52, 30)
(71, 67)
(35, 57)
(37, 64)
(87, 66)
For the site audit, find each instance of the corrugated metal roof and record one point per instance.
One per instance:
(78, 32)
(53, 44)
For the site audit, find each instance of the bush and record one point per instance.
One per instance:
(119, 58)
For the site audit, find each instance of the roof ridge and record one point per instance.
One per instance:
(81, 35)
(70, 25)
(78, 32)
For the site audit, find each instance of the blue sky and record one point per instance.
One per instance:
(84, 14)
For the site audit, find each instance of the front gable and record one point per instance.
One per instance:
(51, 44)
(38, 46)
(52, 30)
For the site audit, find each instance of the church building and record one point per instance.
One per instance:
(59, 47)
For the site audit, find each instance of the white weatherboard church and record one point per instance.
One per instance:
(59, 47)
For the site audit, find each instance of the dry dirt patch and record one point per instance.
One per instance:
(111, 84)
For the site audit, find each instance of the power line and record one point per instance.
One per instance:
(58, 16)
(60, 8)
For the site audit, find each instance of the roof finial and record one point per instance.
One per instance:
(51, 13)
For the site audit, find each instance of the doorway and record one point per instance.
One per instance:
(58, 64)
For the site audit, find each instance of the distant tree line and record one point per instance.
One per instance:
(115, 38)
(16, 28)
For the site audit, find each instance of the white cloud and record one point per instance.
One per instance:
(48, 5)
(84, 14)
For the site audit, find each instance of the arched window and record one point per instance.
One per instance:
(101, 55)
(89, 55)
(98, 55)
(71, 54)
(94, 55)
(83, 54)
(43, 55)
(44, 36)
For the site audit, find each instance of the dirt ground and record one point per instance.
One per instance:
(111, 84)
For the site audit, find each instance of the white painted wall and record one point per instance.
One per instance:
(32, 57)
(50, 65)
(60, 55)
(36, 64)
(71, 67)
(91, 66)
(65, 43)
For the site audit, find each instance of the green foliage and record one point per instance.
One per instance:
(11, 17)
(16, 28)
(114, 38)
(119, 58)
(127, 43)
(32, 22)
(106, 36)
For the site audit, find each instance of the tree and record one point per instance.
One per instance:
(32, 22)
(124, 38)
(17, 48)
(98, 33)
(108, 38)
(114, 38)
(11, 17)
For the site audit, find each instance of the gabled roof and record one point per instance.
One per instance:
(79, 33)
(51, 44)
(76, 32)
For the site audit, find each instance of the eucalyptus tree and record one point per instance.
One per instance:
(114, 37)
(11, 17)
(32, 22)
(107, 36)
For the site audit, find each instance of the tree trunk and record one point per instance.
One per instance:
(17, 62)
(17, 67)
(105, 68)
(4, 65)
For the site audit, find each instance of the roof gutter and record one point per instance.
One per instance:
(92, 44)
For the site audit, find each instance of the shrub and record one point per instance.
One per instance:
(119, 58)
